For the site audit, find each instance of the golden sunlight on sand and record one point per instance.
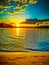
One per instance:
(24, 58)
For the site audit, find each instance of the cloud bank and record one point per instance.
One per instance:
(11, 6)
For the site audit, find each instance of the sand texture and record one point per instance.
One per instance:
(24, 58)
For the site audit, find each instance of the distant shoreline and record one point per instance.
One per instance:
(27, 27)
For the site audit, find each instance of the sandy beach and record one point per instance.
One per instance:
(24, 58)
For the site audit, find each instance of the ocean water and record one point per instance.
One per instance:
(24, 39)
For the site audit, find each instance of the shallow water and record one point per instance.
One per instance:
(24, 39)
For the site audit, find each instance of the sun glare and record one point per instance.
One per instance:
(17, 25)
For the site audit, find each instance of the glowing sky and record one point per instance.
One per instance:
(19, 10)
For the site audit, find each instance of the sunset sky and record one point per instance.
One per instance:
(19, 10)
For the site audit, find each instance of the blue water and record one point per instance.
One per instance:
(24, 39)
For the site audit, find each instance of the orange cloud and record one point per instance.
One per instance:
(19, 11)
(24, 1)
(7, 7)
(1, 6)
(10, 12)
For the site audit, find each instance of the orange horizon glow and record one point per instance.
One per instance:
(18, 25)
(31, 25)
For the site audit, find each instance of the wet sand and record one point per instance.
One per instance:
(24, 58)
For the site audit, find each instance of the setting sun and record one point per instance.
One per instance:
(18, 25)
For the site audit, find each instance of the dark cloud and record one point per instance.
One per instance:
(3, 2)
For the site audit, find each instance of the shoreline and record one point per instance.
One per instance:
(24, 27)
(24, 58)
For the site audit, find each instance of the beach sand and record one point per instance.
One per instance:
(24, 58)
